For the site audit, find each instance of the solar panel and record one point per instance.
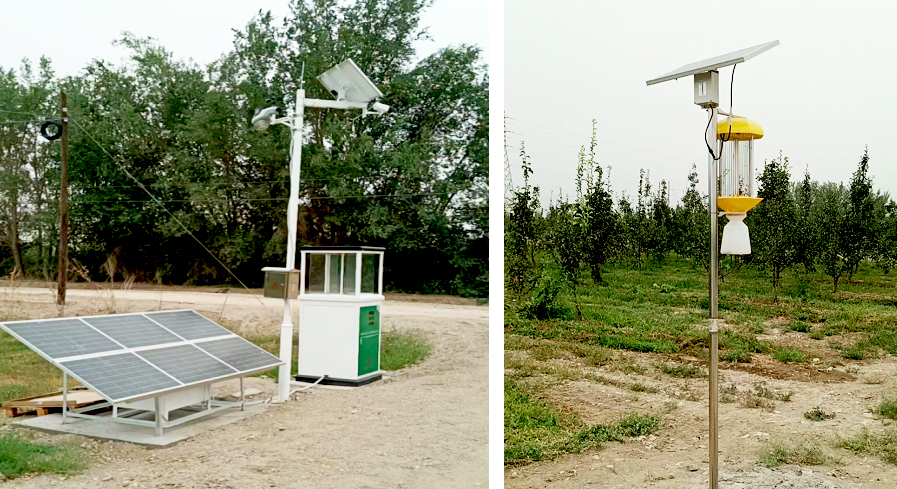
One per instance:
(133, 330)
(120, 376)
(239, 353)
(187, 363)
(61, 338)
(143, 354)
(188, 324)
(716, 62)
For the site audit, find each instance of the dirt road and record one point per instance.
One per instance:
(424, 426)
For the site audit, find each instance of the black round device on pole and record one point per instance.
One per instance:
(54, 135)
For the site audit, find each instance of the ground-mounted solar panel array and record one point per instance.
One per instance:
(130, 356)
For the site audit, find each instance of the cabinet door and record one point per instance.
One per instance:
(369, 340)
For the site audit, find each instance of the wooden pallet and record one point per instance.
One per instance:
(50, 402)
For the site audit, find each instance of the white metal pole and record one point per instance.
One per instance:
(714, 313)
(158, 417)
(286, 327)
(65, 397)
(358, 261)
(380, 276)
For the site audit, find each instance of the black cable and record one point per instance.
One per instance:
(729, 135)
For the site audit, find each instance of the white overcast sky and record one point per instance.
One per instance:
(821, 96)
(72, 33)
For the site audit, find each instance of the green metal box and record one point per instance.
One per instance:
(369, 340)
(281, 283)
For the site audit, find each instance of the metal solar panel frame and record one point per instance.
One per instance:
(58, 362)
(715, 63)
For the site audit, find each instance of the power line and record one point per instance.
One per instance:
(269, 199)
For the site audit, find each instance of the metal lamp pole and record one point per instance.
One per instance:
(286, 327)
(714, 312)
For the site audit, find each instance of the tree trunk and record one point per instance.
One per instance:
(596, 274)
(576, 304)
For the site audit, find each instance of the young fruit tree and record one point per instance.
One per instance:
(774, 222)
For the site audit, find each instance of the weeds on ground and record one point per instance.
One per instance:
(761, 391)
(887, 408)
(817, 414)
(775, 453)
(19, 456)
(399, 349)
(536, 431)
(728, 394)
(787, 354)
(684, 370)
(883, 445)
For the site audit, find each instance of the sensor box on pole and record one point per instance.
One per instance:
(707, 89)
(340, 294)
(281, 283)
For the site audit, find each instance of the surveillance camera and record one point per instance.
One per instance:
(380, 108)
(262, 117)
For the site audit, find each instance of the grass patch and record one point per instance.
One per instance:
(859, 351)
(883, 445)
(773, 454)
(19, 456)
(633, 425)
(787, 354)
(763, 392)
(887, 408)
(817, 414)
(684, 370)
(399, 349)
(535, 430)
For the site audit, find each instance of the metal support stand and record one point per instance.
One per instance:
(65, 397)
(158, 417)
(242, 396)
(713, 401)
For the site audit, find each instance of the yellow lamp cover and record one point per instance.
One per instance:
(743, 129)
(737, 203)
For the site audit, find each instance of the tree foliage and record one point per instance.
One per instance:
(414, 181)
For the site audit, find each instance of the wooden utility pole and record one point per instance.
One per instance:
(62, 271)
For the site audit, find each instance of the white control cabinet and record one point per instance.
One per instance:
(340, 294)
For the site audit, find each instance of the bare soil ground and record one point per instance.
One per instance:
(677, 455)
(423, 426)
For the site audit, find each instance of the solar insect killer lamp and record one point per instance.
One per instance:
(340, 294)
(737, 193)
(735, 199)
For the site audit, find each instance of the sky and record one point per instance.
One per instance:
(73, 33)
(821, 96)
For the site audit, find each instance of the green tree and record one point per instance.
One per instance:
(596, 206)
(774, 222)
(567, 245)
(830, 216)
(859, 220)
(806, 242)
(520, 233)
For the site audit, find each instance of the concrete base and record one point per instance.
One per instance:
(309, 379)
(139, 435)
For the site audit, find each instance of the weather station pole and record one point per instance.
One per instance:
(286, 327)
(736, 240)
(352, 90)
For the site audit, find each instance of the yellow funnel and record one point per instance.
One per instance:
(737, 203)
(743, 129)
